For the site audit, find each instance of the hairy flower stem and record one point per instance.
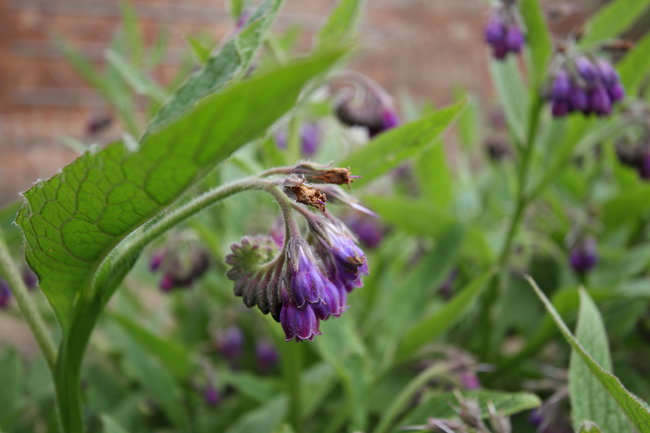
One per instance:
(404, 397)
(134, 245)
(27, 306)
(522, 201)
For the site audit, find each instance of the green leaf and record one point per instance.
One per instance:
(264, 419)
(392, 147)
(589, 400)
(589, 427)
(133, 36)
(441, 405)
(512, 94)
(156, 381)
(159, 49)
(612, 19)
(341, 23)
(223, 66)
(538, 41)
(140, 83)
(435, 177)
(73, 221)
(176, 358)
(632, 406)
(469, 123)
(422, 219)
(430, 328)
(110, 425)
(12, 370)
(200, 50)
(635, 66)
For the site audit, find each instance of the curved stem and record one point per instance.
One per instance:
(399, 404)
(522, 201)
(142, 238)
(27, 307)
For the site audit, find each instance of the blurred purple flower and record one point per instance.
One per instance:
(29, 278)
(211, 395)
(231, 343)
(584, 256)
(366, 228)
(266, 355)
(5, 294)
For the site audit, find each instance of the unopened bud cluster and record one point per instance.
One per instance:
(502, 31)
(586, 85)
(309, 279)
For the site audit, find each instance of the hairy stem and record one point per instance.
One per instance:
(404, 397)
(522, 201)
(27, 306)
(142, 238)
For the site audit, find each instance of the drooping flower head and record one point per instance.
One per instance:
(363, 102)
(586, 85)
(502, 31)
(310, 278)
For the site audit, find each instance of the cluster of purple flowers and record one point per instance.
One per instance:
(363, 102)
(502, 32)
(180, 267)
(318, 280)
(307, 281)
(586, 86)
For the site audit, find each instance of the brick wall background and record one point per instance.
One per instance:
(424, 47)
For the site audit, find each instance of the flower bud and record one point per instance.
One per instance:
(310, 138)
(494, 30)
(211, 395)
(298, 323)
(584, 256)
(318, 173)
(585, 69)
(514, 39)
(578, 98)
(166, 283)
(561, 85)
(5, 294)
(367, 229)
(295, 188)
(559, 108)
(600, 101)
(156, 260)
(306, 279)
(606, 72)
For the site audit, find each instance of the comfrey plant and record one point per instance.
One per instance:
(308, 280)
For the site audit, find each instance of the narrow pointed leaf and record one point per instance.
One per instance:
(73, 221)
(611, 20)
(538, 40)
(635, 65)
(232, 60)
(341, 23)
(140, 83)
(632, 406)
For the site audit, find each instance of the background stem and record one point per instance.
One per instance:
(291, 371)
(27, 306)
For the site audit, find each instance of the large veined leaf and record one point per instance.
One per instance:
(394, 146)
(612, 20)
(229, 62)
(73, 221)
(634, 408)
(589, 400)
